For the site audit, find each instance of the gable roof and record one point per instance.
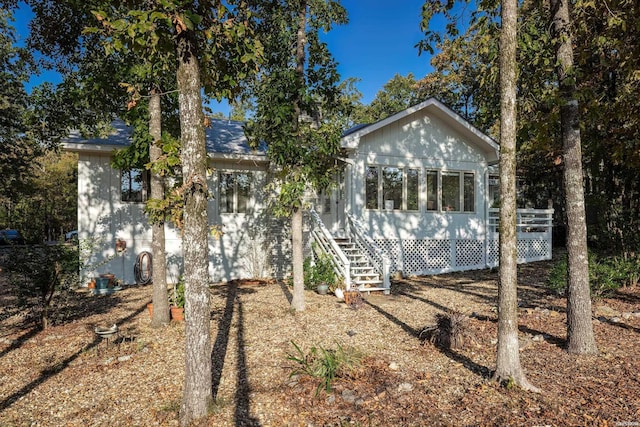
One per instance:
(225, 138)
(351, 138)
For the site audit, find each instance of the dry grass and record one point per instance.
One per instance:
(68, 376)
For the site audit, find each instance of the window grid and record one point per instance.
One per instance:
(443, 191)
(234, 192)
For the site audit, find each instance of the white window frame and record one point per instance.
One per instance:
(404, 193)
(144, 191)
(234, 191)
(461, 190)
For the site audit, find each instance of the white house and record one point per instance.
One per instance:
(414, 196)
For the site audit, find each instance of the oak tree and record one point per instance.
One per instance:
(297, 90)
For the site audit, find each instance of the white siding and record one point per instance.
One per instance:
(424, 143)
(103, 218)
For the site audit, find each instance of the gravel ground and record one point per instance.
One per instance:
(67, 375)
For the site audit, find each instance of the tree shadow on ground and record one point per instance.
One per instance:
(286, 291)
(69, 306)
(551, 339)
(620, 325)
(18, 342)
(469, 364)
(231, 292)
(58, 367)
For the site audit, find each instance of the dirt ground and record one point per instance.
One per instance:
(69, 376)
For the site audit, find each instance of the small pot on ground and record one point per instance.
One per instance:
(177, 313)
(322, 288)
(177, 301)
(352, 297)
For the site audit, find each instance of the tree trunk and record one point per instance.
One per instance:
(580, 337)
(508, 356)
(297, 302)
(160, 300)
(197, 396)
(297, 255)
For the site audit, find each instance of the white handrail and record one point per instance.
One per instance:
(377, 256)
(324, 239)
(527, 220)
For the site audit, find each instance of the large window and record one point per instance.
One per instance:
(392, 188)
(134, 185)
(234, 192)
(458, 192)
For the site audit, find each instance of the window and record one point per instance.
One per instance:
(392, 188)
(432, 190)
(494, 191)
(458, 190)
(469, 192)
(326, 207)
(372, 187)
(134, 185)
(413, 189)
(323, 202)
(451, 191)
(398, 189)
(233, 192)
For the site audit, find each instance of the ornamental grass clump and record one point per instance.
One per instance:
(450, 330)
(325, 364)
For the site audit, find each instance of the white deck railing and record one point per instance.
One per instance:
(323, 238)
(527, 221)
(534, 230)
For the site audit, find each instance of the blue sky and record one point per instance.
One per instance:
(377, 43)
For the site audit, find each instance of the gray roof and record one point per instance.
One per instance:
(355, 128)
(120, 136)
(223, 136)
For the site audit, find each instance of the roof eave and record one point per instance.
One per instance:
(259, 158)
(75, 147)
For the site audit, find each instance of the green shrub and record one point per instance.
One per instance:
(325, 364)
(320, 271)
(606, 275)
(177, 300)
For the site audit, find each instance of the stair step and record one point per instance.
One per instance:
(341, 241)
(368, 282)
(369, 290)
(372, 275)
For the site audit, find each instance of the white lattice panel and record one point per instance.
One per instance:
(392, 249)
(493, 252)
(533, 250)
(418, 256)
(426, 256)
(469, 253)
(438, 254)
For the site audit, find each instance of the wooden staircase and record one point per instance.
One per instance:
(363, 275)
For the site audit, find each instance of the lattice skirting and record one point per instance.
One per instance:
(432, 256)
